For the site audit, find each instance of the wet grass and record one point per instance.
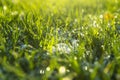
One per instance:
(59, 40)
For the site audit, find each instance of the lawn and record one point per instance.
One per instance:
(59, 39)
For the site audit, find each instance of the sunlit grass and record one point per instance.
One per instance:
(59, 40)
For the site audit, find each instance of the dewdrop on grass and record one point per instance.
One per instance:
(62, 70)
(41, 71)
(4, 7)
(48, 68)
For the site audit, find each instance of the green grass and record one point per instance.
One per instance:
(59, 40)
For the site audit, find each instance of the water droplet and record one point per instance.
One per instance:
(75, 58)
(62, 70)
(41, 71)
(48, 68)
(90, 70)
(4, 7)
(101, 16)
(86, 67)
